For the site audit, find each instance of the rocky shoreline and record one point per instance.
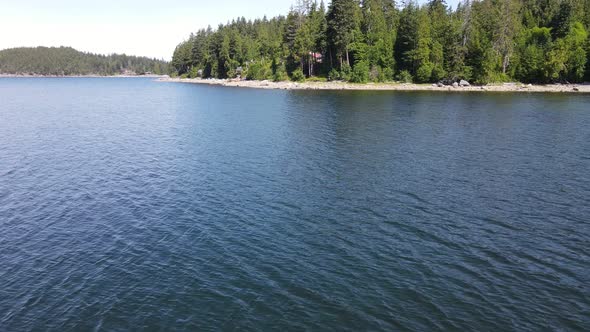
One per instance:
(506, 87)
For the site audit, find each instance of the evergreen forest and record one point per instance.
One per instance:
(66, 61)
(481, 41)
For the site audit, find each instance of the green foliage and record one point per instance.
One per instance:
(406, 41)
(346, 72)
(297, 75)
(64, 61)
(376, 74)
(334, 75)
(279, 72)
(259, 71)
(379, 40)
(404, 76)
(424, 72)
(360, 73)
(538, 41)
(437, 59)
(194, 72)
(533, 46)
(316, 79)
(567, 58)
(386, 75)
(343, 22)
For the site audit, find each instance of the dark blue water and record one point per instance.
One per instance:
(127, 204)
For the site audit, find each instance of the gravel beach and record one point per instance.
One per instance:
(505, 87)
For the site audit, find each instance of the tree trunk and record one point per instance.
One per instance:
(347, 57)
(505, 63)
(331, 60)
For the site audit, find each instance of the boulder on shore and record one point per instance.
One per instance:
(464, 83)
(455, 85)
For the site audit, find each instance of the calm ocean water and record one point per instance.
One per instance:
(127, 204)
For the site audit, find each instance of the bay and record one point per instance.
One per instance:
(129, 204)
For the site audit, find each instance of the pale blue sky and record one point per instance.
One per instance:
(139, 27)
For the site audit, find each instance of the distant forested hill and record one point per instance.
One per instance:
(68, 61)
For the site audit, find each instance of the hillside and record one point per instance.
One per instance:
(68, 61)
(483, 41)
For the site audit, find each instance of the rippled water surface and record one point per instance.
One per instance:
(128, 204)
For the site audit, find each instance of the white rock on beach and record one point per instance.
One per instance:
(507, 87)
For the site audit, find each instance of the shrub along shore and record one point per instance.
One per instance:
(392, 86)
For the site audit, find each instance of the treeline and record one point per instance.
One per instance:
(68, 61)
(482, 41)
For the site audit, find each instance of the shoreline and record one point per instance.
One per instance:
(506, 87)
(81, 76)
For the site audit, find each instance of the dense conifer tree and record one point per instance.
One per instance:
(483, 41)
(67, 61)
